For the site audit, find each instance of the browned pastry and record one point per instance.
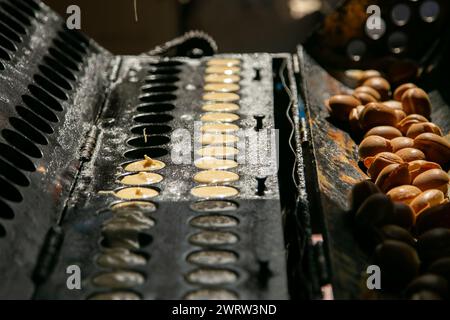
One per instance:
(423, 127)
(393, 104)
(420, 166)
(435, 147)
(372, 145)
(353, 118)
(341, 105)
(410, 154)
(401, 143)
(378, 162)
(416, 101)
(377, 114)
(399, 263)
(428, 199)
(368, 90)
(398, 93)
(404, 194)
(381, 85)
(392, 176)
(409, 120)
(432, 179)
(434, 217)
(363, 97)
(387, 132)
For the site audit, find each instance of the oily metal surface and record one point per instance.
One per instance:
(259, 268)
(336, 159)
(45, 196)
(258, 237)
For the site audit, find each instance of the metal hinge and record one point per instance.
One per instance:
(48, 255)
(89, 145)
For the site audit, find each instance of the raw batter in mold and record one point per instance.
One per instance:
(222, 87)
(141, 178)
(219, 127)
(218, 151)
(148, 164)
(215, 176)
(223, 70)
(220, 107)
(216, 192)
(136, 193)
(208, 163)
(222, 78)
(219, 117)
(221, 96)
(209, 138)
(141, 205)
(119, 279)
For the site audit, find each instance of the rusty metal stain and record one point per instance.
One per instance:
(343, 159)
(324, 183)
(347, 179)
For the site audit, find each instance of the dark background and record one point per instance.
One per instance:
(236, 25)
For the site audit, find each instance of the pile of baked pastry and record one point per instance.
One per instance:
(403, 210)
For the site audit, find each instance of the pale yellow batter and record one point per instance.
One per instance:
(119, 279)
(223, 70)
(221, 96)
(224, 62)
(212, 257)
(217, 151)
(118, 258)
(215, 176)
(219, 127)
(134, 204)
(136, 193)
(141, 178)
(148, 164)
(214, 192)
(208, 163)
(222, 78)
(210, 138)
(220, 107)
(219, 117)
(222, 87)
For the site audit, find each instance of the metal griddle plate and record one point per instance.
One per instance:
(33, 28)
(261, 267)
(337, 168)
